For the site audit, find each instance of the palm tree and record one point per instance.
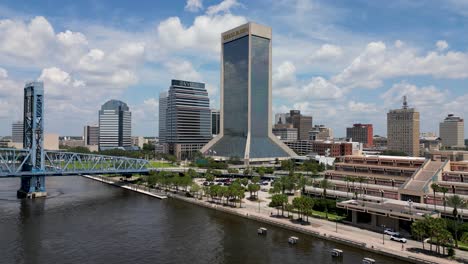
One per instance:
(444, 190)
(361, 180)
(325, 184)
(456, 202)
(435, 188)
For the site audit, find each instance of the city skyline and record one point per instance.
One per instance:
(97, 58)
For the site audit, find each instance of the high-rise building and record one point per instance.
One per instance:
(246, 130)
(115, 125)
(91, 135)
(215, 121)
(403, 130)
(188, 118)
(320, 132)
(162, 116)
(362, 133)
(17, 132)
(281, 118)
(452, 132)
(301, 122)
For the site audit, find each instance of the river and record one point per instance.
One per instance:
(83, 221)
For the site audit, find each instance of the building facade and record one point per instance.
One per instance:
(285, 133)
(363, 133)
(321, 148)
(403, 130)
(301, 122)
(162, 116)
(115, 125)
(281, 118)
(320, 132)
(246, 130)
(187, 127)
(91, 135)
(17, 132)
(215, 121)
(452, 132)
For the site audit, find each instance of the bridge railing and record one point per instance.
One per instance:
(61, 163)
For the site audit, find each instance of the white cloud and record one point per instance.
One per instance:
(327, 52)
(3, 73)
(194, 5)
(363, 108)
(224, 6)
(182, 70)
(442, 45)
(419, 97)
(378, 62)
(203, 35)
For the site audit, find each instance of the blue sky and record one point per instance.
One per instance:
(342, 62)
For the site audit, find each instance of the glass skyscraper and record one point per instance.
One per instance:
(185, 118)
(246, 97)
(115, 125)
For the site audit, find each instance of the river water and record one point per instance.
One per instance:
(83, 221)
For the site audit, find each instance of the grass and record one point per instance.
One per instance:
(331, 216)
(462, 246)
(158, 164)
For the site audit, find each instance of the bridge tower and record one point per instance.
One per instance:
(34, 185)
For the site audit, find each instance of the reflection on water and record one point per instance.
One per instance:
(83, 221)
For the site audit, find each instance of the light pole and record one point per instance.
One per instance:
(258, 205)
(425, 201)
(383, 234)
(410, 204)
(336, 228)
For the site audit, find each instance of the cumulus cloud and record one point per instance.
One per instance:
(193, 5)
(442, 45)
(327, 52)
(378, 62)
(224, 6)
(182, 70)
(203, 35)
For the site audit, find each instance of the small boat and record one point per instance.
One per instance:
(368, 261)
(293, 240)
(336, 252)
(262, 231)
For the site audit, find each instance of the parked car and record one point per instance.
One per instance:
(390, 232)
(398, 238)
(206, 183)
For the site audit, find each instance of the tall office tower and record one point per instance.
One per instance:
(246, 130)
(301, 122)
(362, 133)
(452, 131)
(17, 132)
(91, 135)
(215, 121)
(320, 132)
(115, 125)
(403, 130)
(281, 118)
(162, 116)
(188, 118)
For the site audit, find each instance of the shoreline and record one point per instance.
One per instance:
(409, 257)
(127, 186)
(321, 235)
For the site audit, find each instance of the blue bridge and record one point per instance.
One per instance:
(32, 164)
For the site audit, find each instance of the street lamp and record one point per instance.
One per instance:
(425, 201)
(383, 234)
(382, 195)
(410, 204)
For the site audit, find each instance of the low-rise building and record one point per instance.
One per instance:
(322, 148)
(320, 132)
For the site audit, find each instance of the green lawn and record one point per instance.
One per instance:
(158, 164)
(331, 216)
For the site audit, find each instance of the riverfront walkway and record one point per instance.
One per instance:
(128, 186)
(345, 234)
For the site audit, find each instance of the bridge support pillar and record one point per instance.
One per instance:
(32, 187)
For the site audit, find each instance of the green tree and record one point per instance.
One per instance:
(256, 179)
(195, 190)
(435, 188)
(209, 177)
(419, 229)
(279, 200)
(444, 191)
(191, 173)
(325, 184)
(261, 171)
(246, 171)
(253, 188)
(244, 181)
(456, 202)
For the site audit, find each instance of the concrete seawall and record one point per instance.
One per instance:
(131, 187)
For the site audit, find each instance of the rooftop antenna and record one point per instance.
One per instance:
(405, 103)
